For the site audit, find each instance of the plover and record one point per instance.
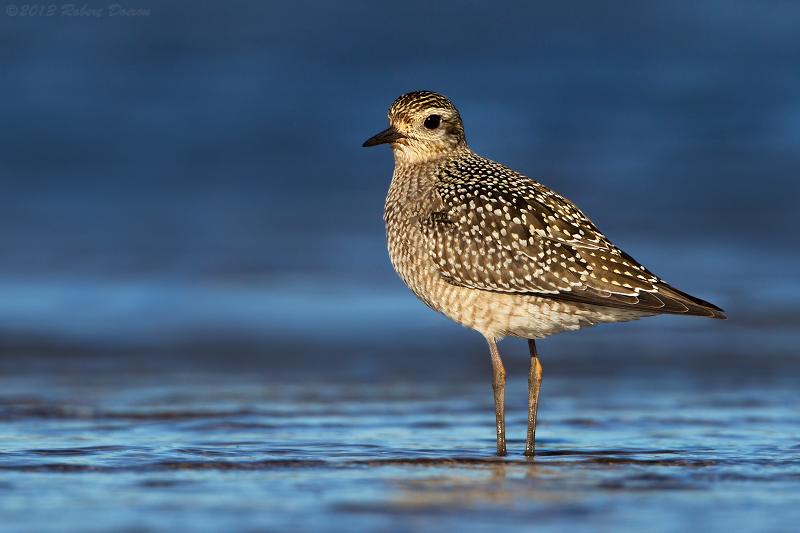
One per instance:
(500, 253)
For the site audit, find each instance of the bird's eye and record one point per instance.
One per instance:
(433, 121)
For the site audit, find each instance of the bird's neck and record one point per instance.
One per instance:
(413, 154)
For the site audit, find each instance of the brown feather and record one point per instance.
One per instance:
(500, 231)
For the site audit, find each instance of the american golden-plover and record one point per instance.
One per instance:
(500, 253)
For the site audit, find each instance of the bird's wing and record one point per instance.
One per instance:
(500, 231)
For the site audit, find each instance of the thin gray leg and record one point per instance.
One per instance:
(499, 386)
(534, 384)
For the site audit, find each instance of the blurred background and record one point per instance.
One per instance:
(187, 189)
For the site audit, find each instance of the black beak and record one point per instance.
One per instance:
(388, 135)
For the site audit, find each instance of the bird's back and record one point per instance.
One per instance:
(476, 224)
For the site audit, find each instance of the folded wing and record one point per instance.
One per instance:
(500, 231)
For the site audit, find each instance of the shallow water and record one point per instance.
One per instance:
(188, 189)
(241, 452)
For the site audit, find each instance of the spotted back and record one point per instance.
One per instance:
(503, 232)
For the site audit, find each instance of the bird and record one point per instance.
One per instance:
(500, 253)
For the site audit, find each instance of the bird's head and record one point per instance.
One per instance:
(423, 126)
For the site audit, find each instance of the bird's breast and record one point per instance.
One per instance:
(412, 197)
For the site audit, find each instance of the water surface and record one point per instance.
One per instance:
(242, 452)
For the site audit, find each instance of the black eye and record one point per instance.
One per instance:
(433, 121)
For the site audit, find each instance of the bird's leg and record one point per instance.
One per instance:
(534, 383)
(499, 386)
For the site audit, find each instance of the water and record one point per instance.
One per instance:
(241, 452)
(200, 327)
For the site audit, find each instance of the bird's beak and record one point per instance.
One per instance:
(389, 135)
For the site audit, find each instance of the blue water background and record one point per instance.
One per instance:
(185, 194)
